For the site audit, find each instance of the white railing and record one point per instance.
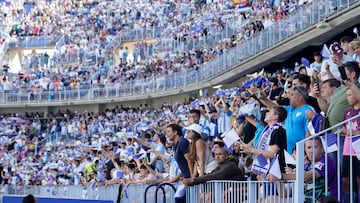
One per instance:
(130, 194)
(241, 191)
(128, 35)
(4, 47)
(34, 41)
(300, 151)
(210, 192)
(74, 192)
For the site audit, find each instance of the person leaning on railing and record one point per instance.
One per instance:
(314, 166)
(227, 170)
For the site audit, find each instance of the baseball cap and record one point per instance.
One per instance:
(194, 127)
(335, 48)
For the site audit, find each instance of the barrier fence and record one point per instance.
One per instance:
(34, 41)
(241, 191)
(114, 193)
(74, 192)
(4, 46)
(210, 192)
(331, 164)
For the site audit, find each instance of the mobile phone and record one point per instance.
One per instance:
(342, 72)
(316, 81)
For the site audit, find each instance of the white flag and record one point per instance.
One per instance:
(230, 137)
(288, 158)
(325, 52)
(356, 31)
(275, 167)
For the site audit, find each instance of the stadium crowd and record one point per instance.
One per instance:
(180, 21)
(146, 145)
(179, 142)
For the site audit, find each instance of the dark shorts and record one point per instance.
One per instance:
(346, 166)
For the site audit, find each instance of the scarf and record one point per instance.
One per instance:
(264, 141)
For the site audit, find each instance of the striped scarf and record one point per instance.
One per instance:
(264, 141)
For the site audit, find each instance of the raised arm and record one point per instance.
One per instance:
(323, 104)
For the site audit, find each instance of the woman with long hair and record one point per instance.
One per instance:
(200, 153)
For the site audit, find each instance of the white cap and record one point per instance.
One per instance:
(194, 127)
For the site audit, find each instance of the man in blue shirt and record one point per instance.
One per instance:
(296, 122)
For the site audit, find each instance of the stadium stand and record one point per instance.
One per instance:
(86, 154)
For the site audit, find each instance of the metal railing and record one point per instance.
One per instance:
(35, 41)
(210, 192)
(241, 191)
(303, 18)
(167, 44)
(78, 56)
(74, 192)
(130, 194)
(128, 35)
(332, 145)
(4, 47)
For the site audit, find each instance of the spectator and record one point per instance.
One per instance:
(345, 45)
(329, 68)
(227, 170)
(352, 71)
(304, 80)
(351, 130)
(200, 153)
(225, 115)
(355, 46)
(296, 122)
(317, 166)
(316, 65)
(158, 145)
(273, 138)
(259, 125)
(145, 177)
(332, 100)
(29, 199)
(327, 199)
(172, 170)
(181, 149)
(276, 90)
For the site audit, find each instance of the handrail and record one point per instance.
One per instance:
(325, 131)
(220, 191)
(163, 192)
(35, 41)
(147, 188)
(161, 186)
(5, 47)
(300, 151)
